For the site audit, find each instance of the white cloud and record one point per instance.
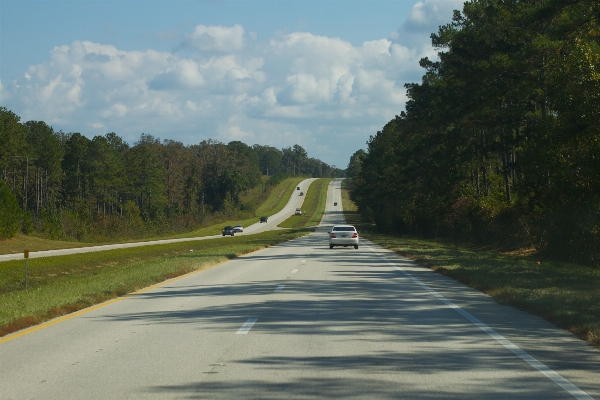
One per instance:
(320, 92)
(430, 14)
(4, 95)
(220, 39)
(425, 18)
(232, 133)
(96, 125)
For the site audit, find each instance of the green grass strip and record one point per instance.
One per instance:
(277, 199)
(313, 207)
(63, 284)
(565, 294)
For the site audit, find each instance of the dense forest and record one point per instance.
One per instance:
(66, 186)
(500, 142)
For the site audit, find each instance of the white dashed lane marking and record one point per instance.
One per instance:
(294, 271)
(247, 326)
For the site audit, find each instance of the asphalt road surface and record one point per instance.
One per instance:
(299, 320)
(294, 202)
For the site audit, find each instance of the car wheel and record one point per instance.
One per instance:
(232, 233)
(331, 246)
(356, 246)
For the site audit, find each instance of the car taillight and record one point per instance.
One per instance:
(332, 235)
(355, 235)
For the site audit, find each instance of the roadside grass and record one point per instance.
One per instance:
(565, 294)
(277, 199)
(64, 284)
(33, 243)
(313, 207)
(350, 209)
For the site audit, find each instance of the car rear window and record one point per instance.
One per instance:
(344, 228)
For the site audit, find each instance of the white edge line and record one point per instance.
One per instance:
(529, 359)
(245, 328)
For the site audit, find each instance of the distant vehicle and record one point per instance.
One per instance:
(298, 188)
(238, 228)
(263, 219)
(335, 204)
(298, 211)
(301, 193)
(343, 235)
(228, 230)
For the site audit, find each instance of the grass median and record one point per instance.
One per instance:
(565, 294)
(313, 207)
(277, 199)
(64, 284)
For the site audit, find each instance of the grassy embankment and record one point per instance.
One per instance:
(277, 199)
(64, 284)
(567, 295)
(313, 207)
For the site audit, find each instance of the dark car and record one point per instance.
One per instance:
(298, 188)
(228, 230)
(263, 219)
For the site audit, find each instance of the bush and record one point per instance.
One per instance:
(277, 178)
(10, 214)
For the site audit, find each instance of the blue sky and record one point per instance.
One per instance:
(322, 74)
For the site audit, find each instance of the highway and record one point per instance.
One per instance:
(294, 202)
(299, 320)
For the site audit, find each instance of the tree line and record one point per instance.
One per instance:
(500, 142)
(69, 186)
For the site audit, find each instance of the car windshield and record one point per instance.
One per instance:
(344, 228)
(228, 227)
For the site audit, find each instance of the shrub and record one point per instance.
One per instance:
(10, 214)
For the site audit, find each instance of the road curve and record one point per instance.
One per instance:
(294, 202)
(299, 320)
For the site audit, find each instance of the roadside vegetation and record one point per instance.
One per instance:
(64, 284)
(275, 199)
(66, 186)
(565, 294)
(499, 141)
(278, 197)
(313, 207)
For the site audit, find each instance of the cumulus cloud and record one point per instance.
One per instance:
(222, 39)
(425, 18)
(323, 93)
(3, 92)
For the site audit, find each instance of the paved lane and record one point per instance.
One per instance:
(294, 202)
(299, 320)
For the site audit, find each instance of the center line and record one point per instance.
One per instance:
(279, 288)
(247, 326)
(294, 271)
